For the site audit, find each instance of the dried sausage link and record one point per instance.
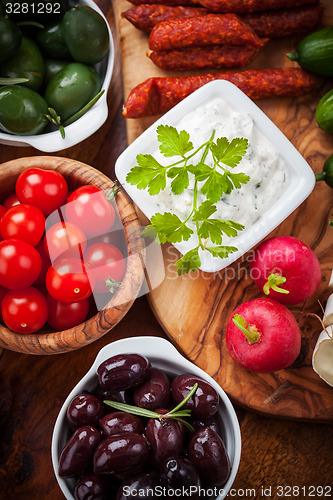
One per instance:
(166, 2)
(145, 17)
(285, 22)
(157, 95)
(198, 31)
(270, 24)
(211, 56)
(243, 6)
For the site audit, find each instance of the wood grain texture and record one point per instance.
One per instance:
(33, 388)
(100, 321)
(193, 309)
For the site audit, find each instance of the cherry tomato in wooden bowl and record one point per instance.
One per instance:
(61, 336)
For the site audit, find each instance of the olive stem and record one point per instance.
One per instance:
(54, 118)
(12, 81)
(83, 110)
(31, 23)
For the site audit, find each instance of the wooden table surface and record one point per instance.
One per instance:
(275, 453)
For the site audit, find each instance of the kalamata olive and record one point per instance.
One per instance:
(209, 456)
(166, 438)
(119, 396)
(204, 403)
(119, 422)
(76, 457)
(93, 487)
(123, 371)
(179, 472)
(84, 409)
(154, 392)
(145, 483)
(200, 423)
(121, 455)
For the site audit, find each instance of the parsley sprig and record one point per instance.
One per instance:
(213, 181)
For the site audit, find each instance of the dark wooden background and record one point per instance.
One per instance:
(33, 388)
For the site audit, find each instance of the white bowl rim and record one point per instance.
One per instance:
(302, 178)
(150, 347)
(82, 128)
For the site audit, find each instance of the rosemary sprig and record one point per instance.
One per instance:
(175, 414)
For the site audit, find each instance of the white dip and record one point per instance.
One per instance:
(266, 169)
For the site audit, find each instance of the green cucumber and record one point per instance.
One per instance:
(315, 52)
(324, 112)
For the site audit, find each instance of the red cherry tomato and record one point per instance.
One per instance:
(23, 222)
(104, 261)
(89, 208)
(67, 280)
(3, 292)
(64, 239)
(3, 210)
(45, 189)
(20, 264)
(24, 310)
(11, 201)
(45, 263)
(64, 315)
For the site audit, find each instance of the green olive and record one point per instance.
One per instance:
(52, 67)
(52, 41)
(22, 111)
(86, 34)
(10, 39)
(72, 88)
(28, 63)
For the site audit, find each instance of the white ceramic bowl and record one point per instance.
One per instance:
(301, 176)
(162, 354)
(51, 141)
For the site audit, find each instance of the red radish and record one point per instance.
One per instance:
(286, 269)
(263, 336)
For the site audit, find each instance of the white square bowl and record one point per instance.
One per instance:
(50, 140)
(164, 356)
(301, 176)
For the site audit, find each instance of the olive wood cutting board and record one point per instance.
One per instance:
(193, 309)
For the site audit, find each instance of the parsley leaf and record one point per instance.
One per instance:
(205, 210)
(222, 251)
(168, 227)
(189, 262)
(180, 179)
(172, 142)
(229, 153)
(216, 185)
(148, 174)
(237, 179)
(214, 228)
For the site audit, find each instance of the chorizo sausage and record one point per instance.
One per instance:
(243, 6)
(285, 22)
(211, 29)
(144, 17)
(210, 56)
(165, 2)
(270, 24)
(157, 95)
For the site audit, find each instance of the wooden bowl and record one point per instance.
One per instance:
(51, 342)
